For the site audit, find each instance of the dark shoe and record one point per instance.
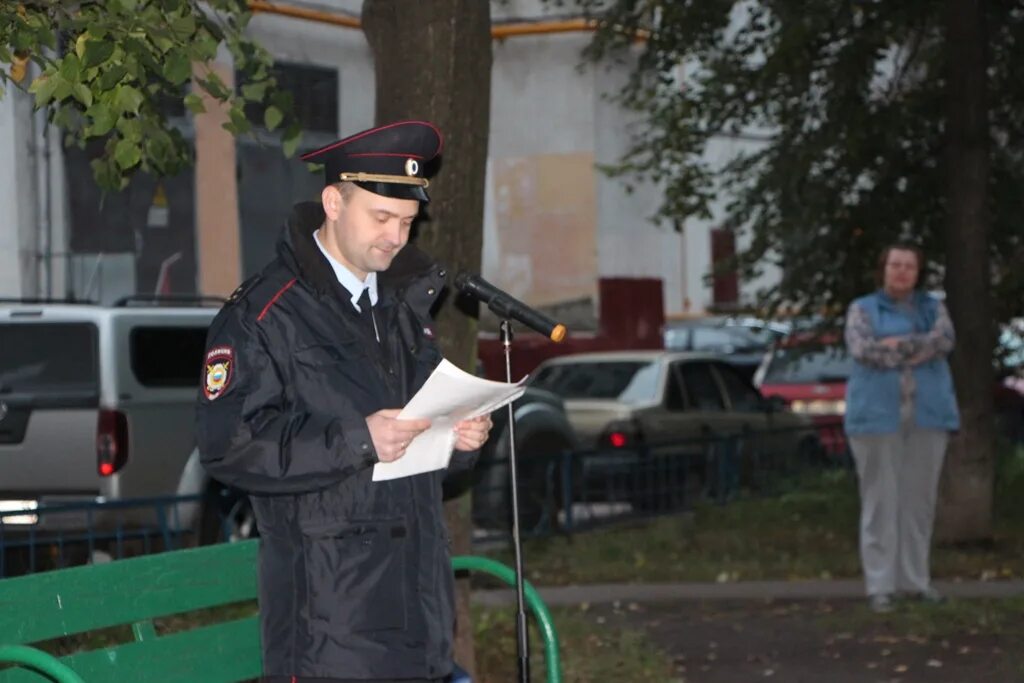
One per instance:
(880, 603)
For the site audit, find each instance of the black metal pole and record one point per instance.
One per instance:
(522, 635)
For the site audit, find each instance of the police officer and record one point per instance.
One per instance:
(306, 369)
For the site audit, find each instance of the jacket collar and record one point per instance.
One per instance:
(412, 275)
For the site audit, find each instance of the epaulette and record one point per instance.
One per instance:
(244, 288)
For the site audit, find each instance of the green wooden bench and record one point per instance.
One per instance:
(132, 594)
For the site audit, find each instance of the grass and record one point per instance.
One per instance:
(807, 533)
(949, 620)
(590, 651)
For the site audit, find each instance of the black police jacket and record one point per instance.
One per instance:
(355, 575)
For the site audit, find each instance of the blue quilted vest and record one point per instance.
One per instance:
(873, 394)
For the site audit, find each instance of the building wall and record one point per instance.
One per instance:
(554, 224)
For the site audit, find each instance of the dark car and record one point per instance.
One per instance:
(630, 409)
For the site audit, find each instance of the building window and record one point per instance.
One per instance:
(314, 91)
(725, 286)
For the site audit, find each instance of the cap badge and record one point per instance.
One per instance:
(412, 167)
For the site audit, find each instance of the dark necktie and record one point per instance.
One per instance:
(366, 311)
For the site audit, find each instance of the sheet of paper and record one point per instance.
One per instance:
(448, 396)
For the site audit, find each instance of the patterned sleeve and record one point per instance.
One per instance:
(864, 347)
(936, 342)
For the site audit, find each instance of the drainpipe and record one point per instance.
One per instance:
(498, 32)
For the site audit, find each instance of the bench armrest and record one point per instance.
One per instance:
(30, 657)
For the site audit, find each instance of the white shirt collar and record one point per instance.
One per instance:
(347, 278)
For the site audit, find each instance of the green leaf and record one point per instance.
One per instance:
(183, 27)
(194, 103)
(177, 67)
(130, 128)
(292, 138)
(126, 154)
(238, 120)
(82, 93)
(254, 92)
(103, 119)
(106, 173)
(43, 88)
(112, 76)
(70, 67)
(213, 84)
(97, 52)
(63, 88)
(272, 118)
(127, 100)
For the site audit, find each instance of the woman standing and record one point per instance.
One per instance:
(901, 407)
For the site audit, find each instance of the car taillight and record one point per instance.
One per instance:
(622, 435)
(111, 442)
(618, 439)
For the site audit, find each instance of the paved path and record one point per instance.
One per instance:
(741, 590)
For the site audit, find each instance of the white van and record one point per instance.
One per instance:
(97, 403)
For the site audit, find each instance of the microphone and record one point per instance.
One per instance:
(507, 306)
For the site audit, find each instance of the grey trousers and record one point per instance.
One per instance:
(899, 481)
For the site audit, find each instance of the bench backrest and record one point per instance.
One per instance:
(135, 592)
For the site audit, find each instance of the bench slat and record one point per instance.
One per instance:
(68, 601)
(220, 653)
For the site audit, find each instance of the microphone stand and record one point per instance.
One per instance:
(522, 635)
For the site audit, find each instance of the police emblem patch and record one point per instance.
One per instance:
(219, 367)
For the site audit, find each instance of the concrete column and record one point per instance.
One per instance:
(217, 226)
(19, 243)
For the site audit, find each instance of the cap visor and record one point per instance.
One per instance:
(396, 190)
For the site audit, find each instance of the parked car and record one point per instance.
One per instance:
(627, 405)
(808, 373)
(739, 341)
(543, 434)
(97, 403)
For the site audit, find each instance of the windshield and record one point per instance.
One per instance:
(808, 364)
(47, 358)
(628, 381)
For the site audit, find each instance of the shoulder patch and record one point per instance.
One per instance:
(244, 288)
(220, 366)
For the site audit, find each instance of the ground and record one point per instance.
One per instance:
(835, 640)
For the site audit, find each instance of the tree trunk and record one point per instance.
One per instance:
(433, 62)
(965, 510)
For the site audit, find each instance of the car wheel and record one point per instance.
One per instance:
(226, 515)
(540, 482)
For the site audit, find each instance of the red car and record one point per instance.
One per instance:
(808, 373)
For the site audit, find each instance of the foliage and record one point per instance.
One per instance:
(831, 116)
(107, 71)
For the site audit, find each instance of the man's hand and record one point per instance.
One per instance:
(472, 434)
(390, 435)
(892, 342)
